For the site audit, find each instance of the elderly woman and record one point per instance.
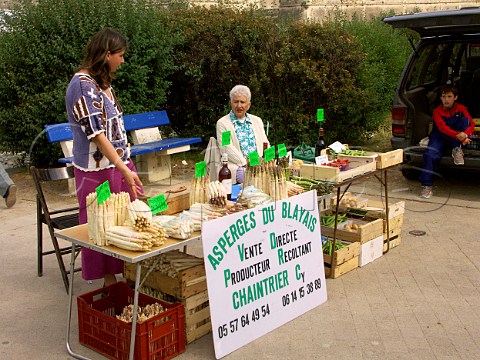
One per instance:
(246, 132)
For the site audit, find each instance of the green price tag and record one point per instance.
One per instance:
(200, 169)
(282, 150)
(320, 115)
(158, 204)
(103, 192)
(254, 158)
(226, 135)
(269, 154)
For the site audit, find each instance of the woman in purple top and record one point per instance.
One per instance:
(100, 147)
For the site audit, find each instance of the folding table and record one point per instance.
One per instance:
(78, 235)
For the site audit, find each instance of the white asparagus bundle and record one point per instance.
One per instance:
(158, 234)
(101, 217)
(216, 193)
(143, 313)
(95, 214)
(140, 215)
(198, 193)
(127, 238)
(174, 226)
(172, 262)
(293, 189)
(208, 210)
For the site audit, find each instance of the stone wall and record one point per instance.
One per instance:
(320, 9)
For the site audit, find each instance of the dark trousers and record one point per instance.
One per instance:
(437, 144)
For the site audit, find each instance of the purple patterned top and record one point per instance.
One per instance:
(90, 112)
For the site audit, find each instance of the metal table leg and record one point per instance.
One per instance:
(135, 309)
(70, 296)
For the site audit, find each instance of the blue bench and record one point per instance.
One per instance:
(152, 152)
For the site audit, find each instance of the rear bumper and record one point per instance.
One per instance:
(414, 156)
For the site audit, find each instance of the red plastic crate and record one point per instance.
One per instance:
(160, 337)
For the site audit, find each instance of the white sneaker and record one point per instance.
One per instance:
(426, 192)
(457, 155)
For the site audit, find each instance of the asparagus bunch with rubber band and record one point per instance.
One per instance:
(140, 215)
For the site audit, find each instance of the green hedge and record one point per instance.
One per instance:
(186, 59)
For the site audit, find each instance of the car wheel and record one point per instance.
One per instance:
(410, 172)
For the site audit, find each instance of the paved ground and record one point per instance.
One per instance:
(420, 301)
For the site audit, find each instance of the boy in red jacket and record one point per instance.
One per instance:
(451, 128)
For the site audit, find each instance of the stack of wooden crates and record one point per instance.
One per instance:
(178, 276)
(372, 231)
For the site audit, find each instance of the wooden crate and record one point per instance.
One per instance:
(381, 160)
(349, 200)
(324, 202)
(371, 209)
(344, 260)
(183, 282)
(197, 312)
(393, 232)
(333, 174)
(376, 209)
(389, 158)
(368, 230)
(395, 223)
(177, 202)
(197, 316)
(394, 242)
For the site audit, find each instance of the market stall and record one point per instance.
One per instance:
(272, 233)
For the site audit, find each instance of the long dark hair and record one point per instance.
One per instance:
(95, 61)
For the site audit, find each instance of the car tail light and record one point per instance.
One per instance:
(399, 119)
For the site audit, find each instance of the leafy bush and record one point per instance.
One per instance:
(186, 59)
(44, 48)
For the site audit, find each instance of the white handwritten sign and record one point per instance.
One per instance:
(264, 268)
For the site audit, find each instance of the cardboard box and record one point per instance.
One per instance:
(333, 174)
(370, 251)
(342, 260)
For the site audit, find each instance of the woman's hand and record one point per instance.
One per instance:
(107, 149)
(134, 182)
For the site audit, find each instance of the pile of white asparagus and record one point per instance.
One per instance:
(101, 217)
(175, 226)
(172, 262)
(140, 215)
(124, 224)
(269, 178)
(198, 192)
(206, 191)
(125, 237)
(143, 313)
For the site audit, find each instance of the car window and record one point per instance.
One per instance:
(428, 66)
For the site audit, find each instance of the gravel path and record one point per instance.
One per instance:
(9, 160)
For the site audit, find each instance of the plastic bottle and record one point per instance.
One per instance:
(225, 176)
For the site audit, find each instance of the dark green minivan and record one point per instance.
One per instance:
(448, 52)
